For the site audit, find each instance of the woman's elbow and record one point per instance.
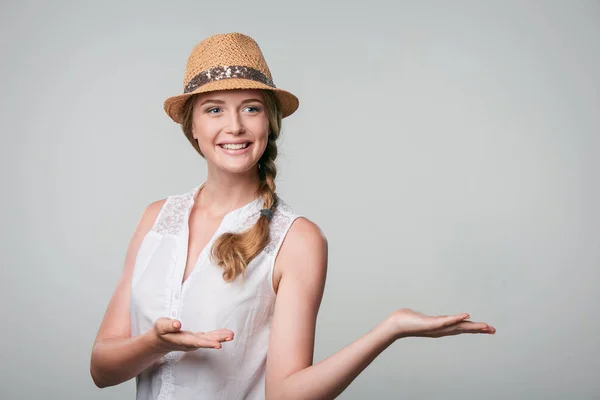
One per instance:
(97, 380)
(271, 393)
(275, 391)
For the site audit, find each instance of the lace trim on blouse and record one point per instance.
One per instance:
(172, 217)
(282, 216)
(175, 211)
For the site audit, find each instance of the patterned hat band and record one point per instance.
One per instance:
(227, 72)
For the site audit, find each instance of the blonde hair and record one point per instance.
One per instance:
(234, 251)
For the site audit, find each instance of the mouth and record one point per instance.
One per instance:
(236, 146)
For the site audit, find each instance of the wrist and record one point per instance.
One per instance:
(392, 328)
(388, 330)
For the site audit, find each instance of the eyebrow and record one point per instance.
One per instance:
(215, 101)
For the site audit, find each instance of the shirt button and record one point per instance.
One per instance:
(173, 314)
(176, 296)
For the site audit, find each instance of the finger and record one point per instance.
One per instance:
(217, 332)
(460, 332)
(219, 336)
(458, 326)
(451, 319)
(190, 341)
(223, 330)
(207, 343)
(167, 325)
(463, 327)
(491, 330)
(469, 325)
(175, 325)
(482, 326)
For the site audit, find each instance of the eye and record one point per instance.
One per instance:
(213, 110)
(253, 109)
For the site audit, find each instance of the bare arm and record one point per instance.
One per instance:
(290, 372)
(116, 356)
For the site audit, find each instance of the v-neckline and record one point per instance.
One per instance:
(203, 252)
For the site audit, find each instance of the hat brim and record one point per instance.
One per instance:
(287, 101)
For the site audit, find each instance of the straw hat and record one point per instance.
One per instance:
(227, 61)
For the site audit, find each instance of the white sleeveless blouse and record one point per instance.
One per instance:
(206, 302)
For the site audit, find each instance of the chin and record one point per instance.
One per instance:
(236, 169)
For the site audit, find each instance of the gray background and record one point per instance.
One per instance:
(448, 150)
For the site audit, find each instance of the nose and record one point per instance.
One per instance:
(235, 125)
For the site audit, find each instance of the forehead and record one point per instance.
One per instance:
(233, 96)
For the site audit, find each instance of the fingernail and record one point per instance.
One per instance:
(228, 339)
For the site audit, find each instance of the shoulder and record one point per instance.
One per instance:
(303, 254)
(298, 231)
(153, 209)
(165, 211)
(149, 215)
(303, 234)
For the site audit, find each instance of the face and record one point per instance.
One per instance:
(231, 127)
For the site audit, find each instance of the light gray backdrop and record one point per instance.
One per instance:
(448, 150)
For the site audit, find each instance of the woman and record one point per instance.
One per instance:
(222, 284)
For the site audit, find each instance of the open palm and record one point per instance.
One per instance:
(407, 322)
(167, 335)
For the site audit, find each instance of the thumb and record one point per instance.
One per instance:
(167, 325)
(175, 325)
(448, 320)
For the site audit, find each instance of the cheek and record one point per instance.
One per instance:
(257, 123)
(259, 149)
(264, 128)
(206, 146)
(206, 134)
(262, 144)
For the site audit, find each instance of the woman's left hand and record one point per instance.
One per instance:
(406, 322)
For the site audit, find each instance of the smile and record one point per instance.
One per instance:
(231, 146)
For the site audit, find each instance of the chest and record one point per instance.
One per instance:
(175, 276)
(202, 301)
(202, 229)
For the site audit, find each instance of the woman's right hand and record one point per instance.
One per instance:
(168, 336)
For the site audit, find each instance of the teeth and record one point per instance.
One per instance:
(235, 146)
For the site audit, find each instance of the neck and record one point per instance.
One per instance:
(222, 193)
